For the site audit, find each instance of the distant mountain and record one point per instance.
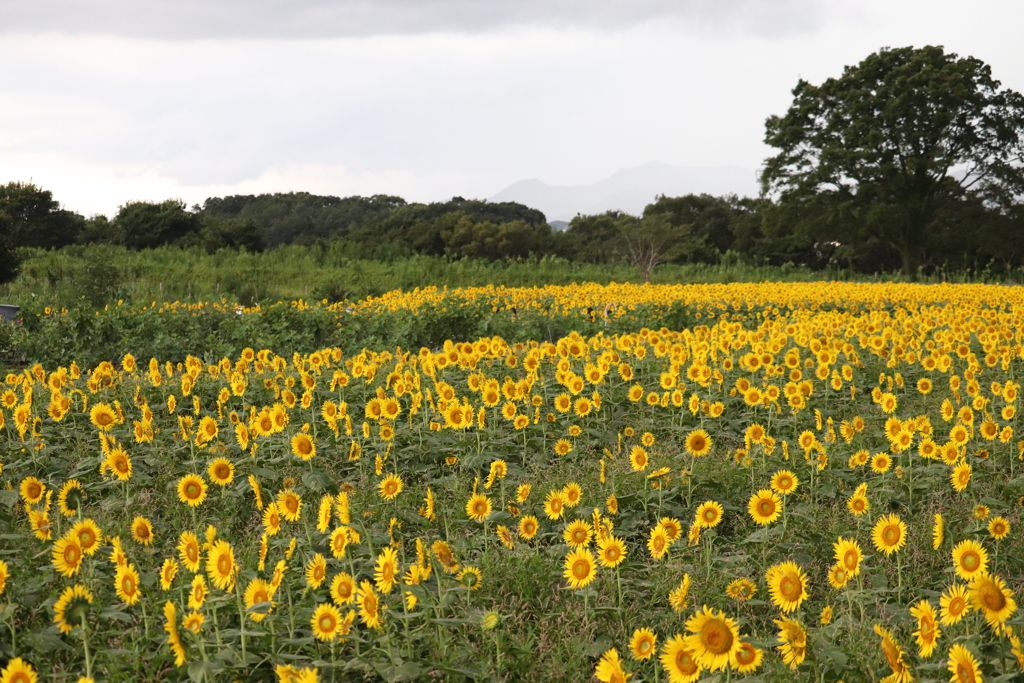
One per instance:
(629, 190)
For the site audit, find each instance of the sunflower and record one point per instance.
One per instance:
(638, 459)
(168, 570)
(643, 644)
(969, 559)
(67, 555)
(741, 589)
(289, 504)
(858, 503)
(960, 477)
(679, 661)
(963, 665)
(316, 571)
(120, 463)
(927, 633)
(787, 585)
(272, 519)
(792, 639)
(658, 542)
(746, 659)
(881, 462)
(343, 589)
(894, 657)
(938, 532)
(303, 447)
(386, 570)
(221, 471)
(784, 482)
(554, 505)
(71, 607)
(103, 417)
(999, 528)
(191, 490)
(220, 565)
(848, 553)
(678, 597)
(326, 622)
(4, 573)
(609, 668)
(889, 534)
(953, 605)
(89, 535)
(69, 498)
(764, 506)
(580, 568)
(989, 594)
(193, 621)
(505, 536)
(197, 594)
(709, 514)
(470, 577)
(18, 671)
(698, 443)
(126, 584)
(369, 605)
(32, 490)
(142, 531)
(838, 577)
(573, 493)
(478, 507)
(528, 527)
(390, 486)
(523, 492)
(258, 599)
(443, 553)
(577, 534)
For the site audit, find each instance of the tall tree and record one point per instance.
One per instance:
(884, 153)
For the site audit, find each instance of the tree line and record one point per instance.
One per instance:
(912, 160)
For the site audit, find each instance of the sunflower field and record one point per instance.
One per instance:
(778, 482)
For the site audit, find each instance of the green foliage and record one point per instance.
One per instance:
(882, 161)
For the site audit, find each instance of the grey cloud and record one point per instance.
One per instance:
(296, 19)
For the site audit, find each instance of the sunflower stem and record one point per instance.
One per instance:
(85, 643)
(241, 617)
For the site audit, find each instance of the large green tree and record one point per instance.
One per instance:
(887, 155)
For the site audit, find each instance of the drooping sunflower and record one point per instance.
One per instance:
(953, 605)
(709, 514)
(894, 657)
(741, 589)
(848, 553)
(67, 555)
(326, 622)
(69, 498)
(142, 531)
(963, 665)
(792, 639)
(443, 553)
(679, 597)
(387, 570)
(609, 668)
(369, 605)
(191, 490)
(580, 568)
(4, 573)
(390, 486)
(679, 661)
(698, 443)
(784, 482)
(577, 534)
(969, 559)
(989, 594)
(126, 584)
(889, 534)
(71, 607)
(764, 507)
(938, 532)
(220, 565)
(927, 633)
(478, 507)
(258, 599)
(787, 585)
(643, 644)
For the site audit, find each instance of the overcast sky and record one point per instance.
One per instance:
(107, 101)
